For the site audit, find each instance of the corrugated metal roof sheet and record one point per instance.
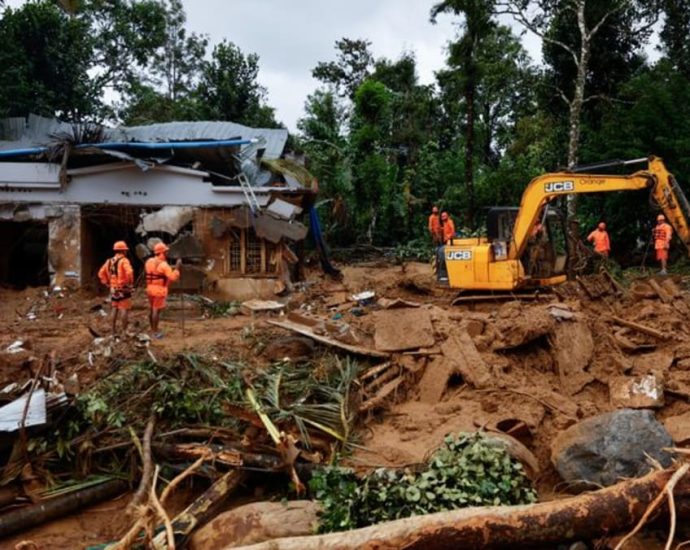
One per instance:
(36, 131)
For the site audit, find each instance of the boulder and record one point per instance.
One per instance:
(606, 448)
(257, 522)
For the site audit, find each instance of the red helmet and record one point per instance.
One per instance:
(160, 248)
(120, 246)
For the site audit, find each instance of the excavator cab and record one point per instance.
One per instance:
(546, 252)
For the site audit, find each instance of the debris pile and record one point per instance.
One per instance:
(587, 387)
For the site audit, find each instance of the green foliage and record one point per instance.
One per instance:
(349, 70)
(221, 309)
(229, 89)
(470, 470)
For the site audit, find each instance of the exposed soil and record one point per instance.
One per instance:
(550, 362)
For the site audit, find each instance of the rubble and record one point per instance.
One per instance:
(403, 329)
(645, 392)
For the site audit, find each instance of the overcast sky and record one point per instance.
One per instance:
(291, 37)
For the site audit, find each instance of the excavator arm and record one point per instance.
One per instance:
(543, 189)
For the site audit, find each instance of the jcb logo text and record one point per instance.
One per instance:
(559, 186)
(462, 255)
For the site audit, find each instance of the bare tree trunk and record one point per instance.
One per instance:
(469, 152)
(574, 133)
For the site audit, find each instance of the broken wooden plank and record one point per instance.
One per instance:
(665, 296)
(261, 306)
(381, 396)
(642, 328)
(306, 331)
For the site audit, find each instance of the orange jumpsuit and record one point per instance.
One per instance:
(602, 244)
(662, 240)
(159, 275)
(448, 230)
(117, 273)
(435, 228)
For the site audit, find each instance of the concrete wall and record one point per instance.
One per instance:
(64, 248)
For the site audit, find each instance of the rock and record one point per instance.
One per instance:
(434, 380)
(257, 522)
(460, 351)
(679, 428)
(604, 449)
(643, 392)
(656, 362)
(683, 364)
(403, 329)
(517, 330)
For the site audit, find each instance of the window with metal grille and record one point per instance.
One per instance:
(272, 257)
(255, 253)
(236, 252)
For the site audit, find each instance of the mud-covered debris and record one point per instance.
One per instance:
(403, 329)
(657, 362)
(572, 347)
(679, 428)
(293, 348)
(605, 449)
(364, 297)
(523, 327)
(461, 353)
(251, 307)
(387, 303)
(434, 381)
(644, 392)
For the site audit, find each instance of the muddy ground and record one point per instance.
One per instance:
(527, 368)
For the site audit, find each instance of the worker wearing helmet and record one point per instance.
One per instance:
(117, 274)
(662, 241)
(159, 275)
(434, 226)
(600, 238)
(448, 227)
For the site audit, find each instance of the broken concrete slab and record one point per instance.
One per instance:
(644, 392)
(169, 219)
(461, 353)
(186, 247)
(572, 347)
(403, 329)
(656, 362)
(606, 448)
(273, 230)
(283, 209)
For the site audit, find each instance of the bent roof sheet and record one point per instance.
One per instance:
(37, 130)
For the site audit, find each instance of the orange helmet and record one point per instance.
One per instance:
(120, 246)
(661, 218)
(160, 248)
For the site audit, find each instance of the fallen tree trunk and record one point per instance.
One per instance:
(201, 510)
(57, 507)
(592, 515)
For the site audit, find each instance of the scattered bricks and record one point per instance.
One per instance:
(646, 392)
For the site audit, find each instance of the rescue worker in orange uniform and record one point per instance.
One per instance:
(662, 241)
(117, 274)
(435, 228)
(600, 238)
(448, 227)
(159, 275)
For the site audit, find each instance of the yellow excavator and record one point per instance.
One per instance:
(526, 247)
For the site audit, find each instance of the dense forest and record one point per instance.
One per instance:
(383, 146)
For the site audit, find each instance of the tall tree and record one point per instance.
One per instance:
(352, 66)
(229, 88)
(477, 25)
(165, 91)
(675, 34)
(587, 18)
(44, 63)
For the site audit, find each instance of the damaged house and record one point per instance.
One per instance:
(218, 193)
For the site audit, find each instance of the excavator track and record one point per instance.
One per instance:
(527, 295)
